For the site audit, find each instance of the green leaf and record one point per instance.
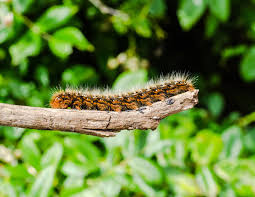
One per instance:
(64, 39)
(75, 36)
(230, 170)
(30, 151)
(247, 68)
(13, 133)
(28, 45)
(177, 152)
(232, 140)
(19, 171)
(80, 147)
(142, 27)
(55, 17)
(72, 185)
(124, 180)
(220, 8)
(205, 147)
(158, 146)
(157, 8)
(91, 192)
(227, 192)
(43, 183)
(71, 168)
(79, 74)
(249, 140)
(5, 33)
(21, 90)
(215, 103)
(178, 127)
(128, 145)
(234, 51)
(189, 12)
(143, 186)
(6, 189)
(14, 29)
(240, 173)
(60, 48)
(124, 143)
(106, 187)
(52, 156)
(42, 75)
(121, 23)
(21, 6)
(207, 182)
(146, 169)
(211, 26)
(128, 80)
(183, 184)
(109, 187)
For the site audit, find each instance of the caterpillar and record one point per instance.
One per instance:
(107, 100)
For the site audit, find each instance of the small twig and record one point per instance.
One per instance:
(33, 27)
(92, 122)
(107, 10)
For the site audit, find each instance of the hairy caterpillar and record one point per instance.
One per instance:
(106, 100)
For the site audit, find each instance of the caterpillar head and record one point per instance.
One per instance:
(60, 101)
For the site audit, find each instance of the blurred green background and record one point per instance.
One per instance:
(206, 151)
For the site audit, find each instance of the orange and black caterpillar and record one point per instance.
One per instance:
(153, 92)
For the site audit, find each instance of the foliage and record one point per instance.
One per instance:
(206, 151)
(189, 154)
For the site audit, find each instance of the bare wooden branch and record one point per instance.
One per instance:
(91, 122)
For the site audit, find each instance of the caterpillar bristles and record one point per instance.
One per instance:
(110, 100)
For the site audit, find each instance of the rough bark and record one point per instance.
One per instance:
(91, 122)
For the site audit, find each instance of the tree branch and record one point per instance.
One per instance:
(92, 122)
